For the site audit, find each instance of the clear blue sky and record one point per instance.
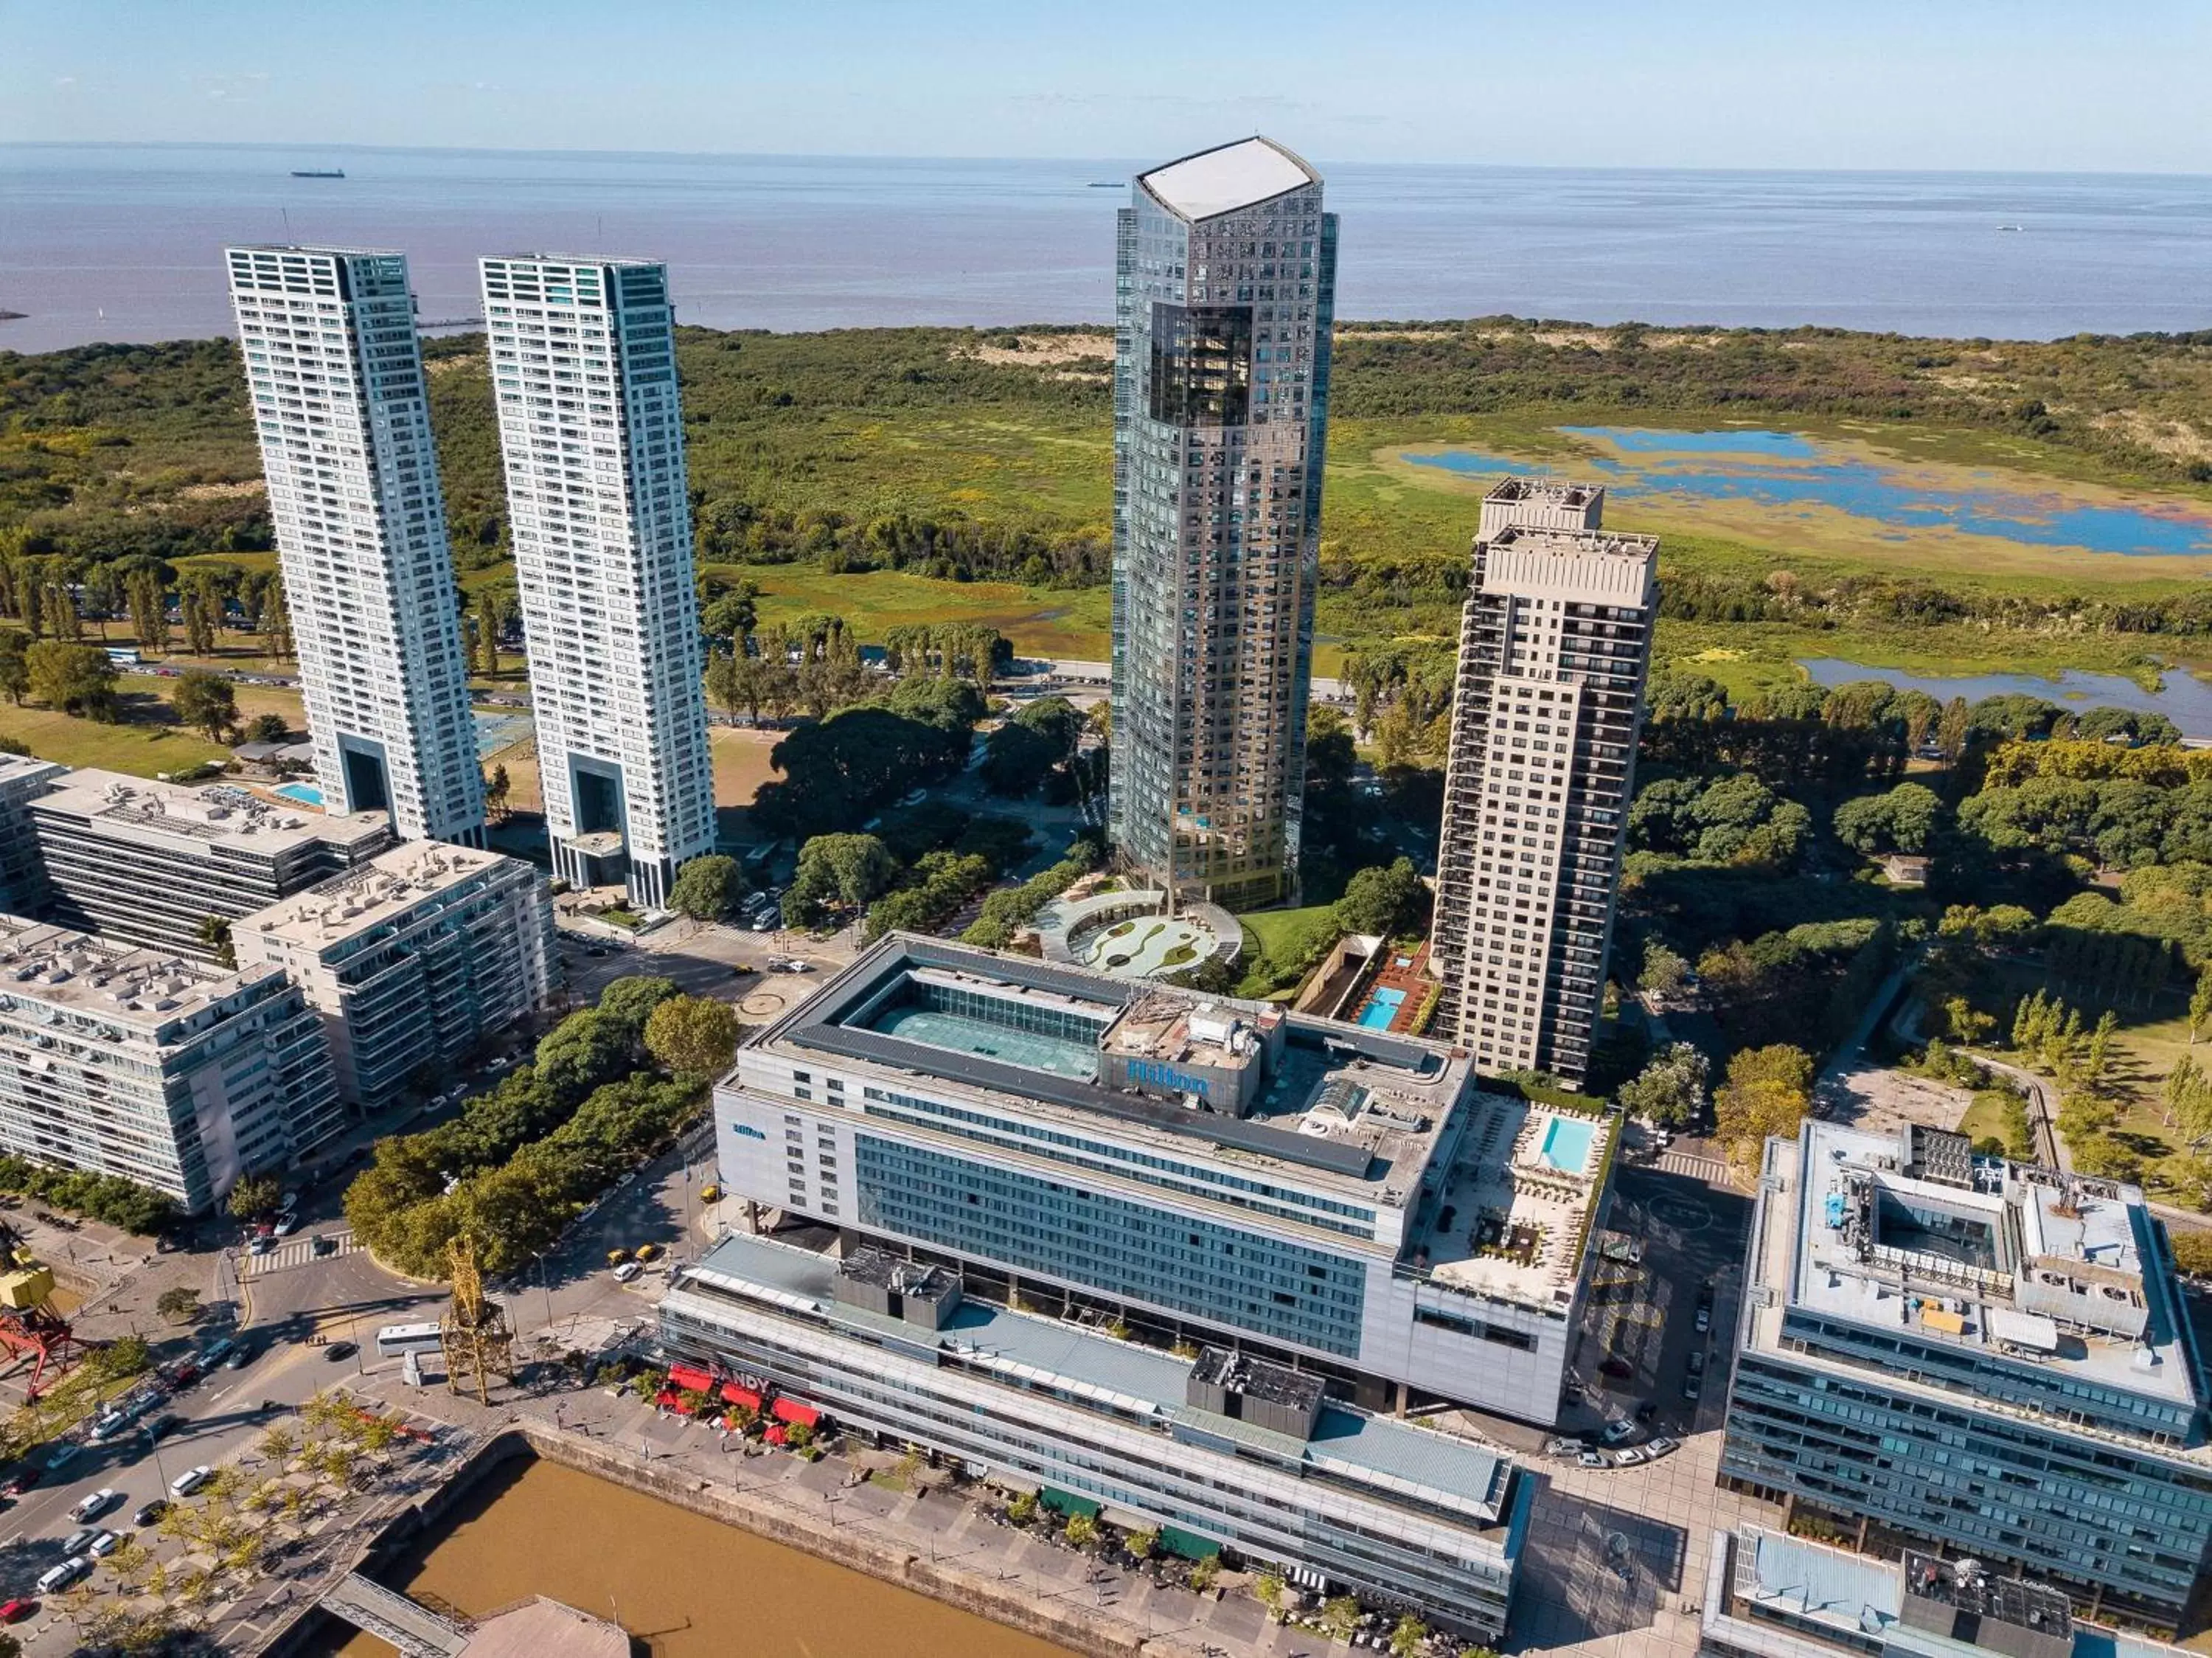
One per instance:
(2091, 85)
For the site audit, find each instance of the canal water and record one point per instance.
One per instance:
(683, 1585)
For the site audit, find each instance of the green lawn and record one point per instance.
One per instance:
(1266, 930)
(145, 743)
(1070, 622)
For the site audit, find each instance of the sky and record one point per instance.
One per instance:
(2021, 85)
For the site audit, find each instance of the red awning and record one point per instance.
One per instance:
(665, 1398)
(733, 1394)
(790, 1409)
(686, 1378)
(773, 1434)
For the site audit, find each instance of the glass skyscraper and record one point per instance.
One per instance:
(1225, 274)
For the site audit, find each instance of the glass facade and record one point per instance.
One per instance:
(1111, 1246)
(1224, 308)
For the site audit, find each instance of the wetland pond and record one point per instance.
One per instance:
(2181, 697)
(1788, 472)
(683, 1585)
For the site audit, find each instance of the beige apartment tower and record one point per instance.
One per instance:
(1555, 644)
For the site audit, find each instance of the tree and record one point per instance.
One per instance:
(1967, 1023)
(15, 666)
(731, 616)
(1340, 1617)
(693, 1035)
(497, 787)
(214, 932)
(267, 728)
(2200, 1005)
(179, 1304)
(1767, 1094)
(1382, 900)
(1271, 1589)
(1082, 1531)
(2192, 1251)
(254, 1196)
(75, 679)
(627, 1003)
(579, 1054)
(837, 871)
(1405, 1639)
(707, 888)
(1901, 821)
(1671, 1088)
(1141, 1543)
(206, 702)
(1664, 971)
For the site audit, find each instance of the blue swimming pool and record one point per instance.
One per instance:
(1381, 1008)
(306, 793)
(1566, 1145)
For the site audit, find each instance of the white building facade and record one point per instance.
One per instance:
(334, 368)
(1554, 646)
(584, 370)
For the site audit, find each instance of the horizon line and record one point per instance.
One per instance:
(353, 146)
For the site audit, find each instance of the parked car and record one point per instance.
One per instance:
(167, 1425)
(55, 1579)
(79, 1538)
(1697, 1362)
(184, 1373)
(1704, 1321)
(261, 1245)
(1628, 1455)
(191, 1480)
(63, 1454)
(1662, 1446)
(1563, 1445)
(1619, 1430)
(150, 1513)
(241, 1356)
(103, 1546)
(647, 1252)
(1617, 1369)
(216, 1351)
(324, 1244)
(627, 1270)
(1692, 1387)
(94, 1504)
(1592, 1459)
(338, 1351)
(16, 1611)
(616, 1256)
(287, 1226)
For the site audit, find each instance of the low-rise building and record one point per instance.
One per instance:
(1212, 1449)
(1771, 1595)
(22, 879)
(149, 862)
(148, 1065)
(1965, 1355)
(411, 959)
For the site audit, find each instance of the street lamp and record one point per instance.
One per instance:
(153, 1445)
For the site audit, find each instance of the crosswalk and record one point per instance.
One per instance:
(297, 1252)
(1710, 1170)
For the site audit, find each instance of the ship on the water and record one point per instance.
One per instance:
(319, 172)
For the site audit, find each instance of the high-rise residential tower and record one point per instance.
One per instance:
(1553, 647)
(584, 366)
(335, 371)
(1225, 282)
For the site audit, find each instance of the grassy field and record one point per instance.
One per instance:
(146, 742)
(1264, 930)
(1072, 623)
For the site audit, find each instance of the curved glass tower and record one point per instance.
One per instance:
(1226, 283)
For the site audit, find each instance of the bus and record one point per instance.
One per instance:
(395, 1338)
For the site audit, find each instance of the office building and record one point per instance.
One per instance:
(412, 959)
(1554, 643)
(22, 877)
(335, 372)
(1203, 1170)
(138, 1062)
(1768, 1594)
(583, 356)
(1974, 1358)
(149, 863)
(1225, 285)
(1210, 1448)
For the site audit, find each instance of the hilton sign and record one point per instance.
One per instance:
(1167, 1076)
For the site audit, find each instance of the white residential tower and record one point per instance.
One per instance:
(335, 371)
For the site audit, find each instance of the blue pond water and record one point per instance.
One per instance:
(1863, 488)
(1381, 1008)
(2182, 698)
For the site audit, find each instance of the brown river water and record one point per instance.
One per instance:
(683, 1585)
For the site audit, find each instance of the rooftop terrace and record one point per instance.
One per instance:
(79, 974)
(371, 894)
(215, 817)
(1996, 1258)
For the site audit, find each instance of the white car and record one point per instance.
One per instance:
(1617, 1431)
(794, 966)
(286, 1225)
(98, 1502)
(1629, 1456)
(103, 1546)
(627, 1270)
(56, 1578)
(191, 1480)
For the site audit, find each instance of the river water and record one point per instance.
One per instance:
(684, 1585)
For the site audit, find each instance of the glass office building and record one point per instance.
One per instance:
(1225, 275)
(1978, 1358)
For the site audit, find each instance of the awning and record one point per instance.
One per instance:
(791, 1410)
(1189, 1544)
(1067, 1502)
(773, 1435)
(690, 1379)
(733, 1394)
(665, 1398)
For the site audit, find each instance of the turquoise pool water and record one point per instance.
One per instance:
(1785, 469)
(988, 1039)
(306, 793)
(1566, 1145)
(1381, 1008)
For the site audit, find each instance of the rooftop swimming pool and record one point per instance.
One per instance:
(306, 793)
(1566, 1145)
(1381, 1008)
(986, 1039)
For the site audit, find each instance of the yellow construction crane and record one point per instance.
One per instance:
(477, 1340)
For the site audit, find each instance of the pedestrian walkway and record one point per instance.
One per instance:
(1710, 1170)
(391, 1618)
(297, 1252)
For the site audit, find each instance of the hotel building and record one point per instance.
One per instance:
(1225, 295)
(140, 1064)
(412, 959)
(1555, 644)
(148, 863)
(1077, 1152)
(1974, 1358)
(583, 360)
(334, 368)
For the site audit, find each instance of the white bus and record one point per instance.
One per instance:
(397, 1339)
